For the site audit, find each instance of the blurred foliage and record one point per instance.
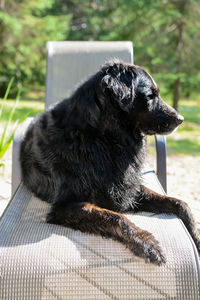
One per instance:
(25, 27)
(165, 35)
(6, 136)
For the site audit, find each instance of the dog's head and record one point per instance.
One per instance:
(136, 93)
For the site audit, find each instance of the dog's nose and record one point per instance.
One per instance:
(180, 119)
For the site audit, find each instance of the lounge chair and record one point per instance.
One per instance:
(45, 261)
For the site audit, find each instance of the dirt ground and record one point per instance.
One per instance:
(183, 176)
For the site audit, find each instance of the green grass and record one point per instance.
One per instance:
(191, 111)
(185, 141)
(33, 108)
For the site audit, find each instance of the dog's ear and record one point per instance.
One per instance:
(85, 110)
(120, 85)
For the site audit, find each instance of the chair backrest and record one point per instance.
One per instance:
(70, 63)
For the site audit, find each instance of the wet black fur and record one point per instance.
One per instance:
(91, 146)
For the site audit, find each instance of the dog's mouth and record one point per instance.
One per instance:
(163, 128)
(168, 128)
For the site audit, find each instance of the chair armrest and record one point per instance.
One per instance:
(161, 160)
(18, 137)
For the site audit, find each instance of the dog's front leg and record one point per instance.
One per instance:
(153, 202)
(90, 218)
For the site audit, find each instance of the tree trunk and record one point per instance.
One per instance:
(181, 6)
(178, 63)
(2, 4)
(176, 93)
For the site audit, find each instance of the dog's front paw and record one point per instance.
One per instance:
(147, 247)
(154, 254)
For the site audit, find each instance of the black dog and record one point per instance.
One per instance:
(85, 154)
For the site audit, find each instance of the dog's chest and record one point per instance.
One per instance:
(110, 159)
(112, 172)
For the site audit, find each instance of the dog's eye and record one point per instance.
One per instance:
(150, 97)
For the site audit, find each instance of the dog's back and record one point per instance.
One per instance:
(69, 147)
(36, 172)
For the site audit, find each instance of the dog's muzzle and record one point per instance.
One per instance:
(180, 119)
